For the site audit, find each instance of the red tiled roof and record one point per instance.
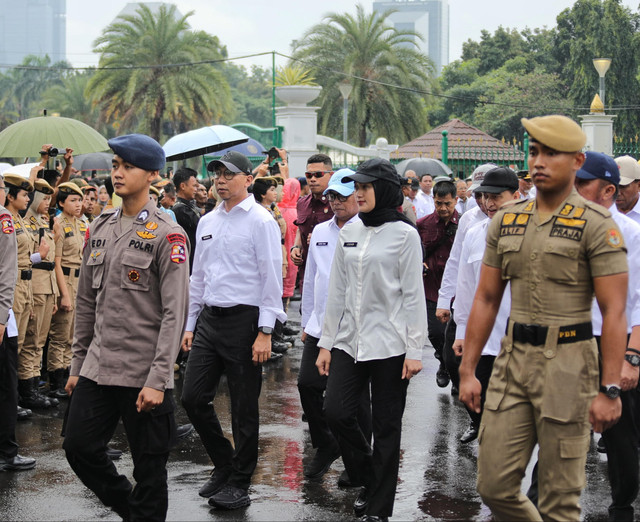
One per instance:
(465, 142)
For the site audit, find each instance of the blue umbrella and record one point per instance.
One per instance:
(249, 148)
(202, 141)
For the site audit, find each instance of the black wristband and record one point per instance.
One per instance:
(633, 350)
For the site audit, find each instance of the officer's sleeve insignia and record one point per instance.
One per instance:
(178, 253)
(176, 238)
(614, 238)
(6, 224)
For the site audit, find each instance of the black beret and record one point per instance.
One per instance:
(139, 150)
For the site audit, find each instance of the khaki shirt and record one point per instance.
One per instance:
(43, 282)
(550, 263)
(132, 300)
(69, 244)
(8, 263)
(26, 243)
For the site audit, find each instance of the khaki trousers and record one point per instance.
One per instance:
(537, 394)
(61, 331)
(30, 358)
(22, 308)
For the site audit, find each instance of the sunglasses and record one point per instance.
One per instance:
(316, 175)
(332, 196)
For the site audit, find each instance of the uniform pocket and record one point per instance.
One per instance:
(509, 248)
(135, 273)
(161, 426)
(96, 263)
(499, 376)
(560, 261)
(569, 472)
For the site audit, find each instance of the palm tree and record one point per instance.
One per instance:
(375, 58)
(134, 83)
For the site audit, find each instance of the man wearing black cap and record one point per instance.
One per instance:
(130, 313)
(555, 251)
(235, 299)
(498, 186)
(598, 181)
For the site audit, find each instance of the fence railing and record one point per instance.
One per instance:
(626, 147)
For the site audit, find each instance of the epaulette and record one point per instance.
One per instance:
(604, 212)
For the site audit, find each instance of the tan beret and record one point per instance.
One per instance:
(556, 132)
(161, 183)
(69, 188)
(17, 181)
(43, 186)
(153, 190)
(272, 180)
(88, 188)
(629, 169)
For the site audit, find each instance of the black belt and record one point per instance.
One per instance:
(231, 310)
(67, 271)
(44, 265)
(537, 335)
(25, 275)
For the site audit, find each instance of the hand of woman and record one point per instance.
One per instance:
(411, 368)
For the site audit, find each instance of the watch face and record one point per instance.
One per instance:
(613, 393)
(633, 360)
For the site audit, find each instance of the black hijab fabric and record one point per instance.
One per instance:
(388, 198)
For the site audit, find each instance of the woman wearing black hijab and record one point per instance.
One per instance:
(374, 330)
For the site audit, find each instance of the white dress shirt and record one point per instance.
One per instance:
(421, 205)
(473, 247)
(238, 260)
(376, 307)
(631, 234)
(322, 246)
(634, 213)
(429, 205)
(12, 327)
(463, 206)
(448, 287)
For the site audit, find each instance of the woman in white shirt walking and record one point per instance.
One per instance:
(374, 329)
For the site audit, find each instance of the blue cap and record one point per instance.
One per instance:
(344, 188)
(599, 166)
(139, 150)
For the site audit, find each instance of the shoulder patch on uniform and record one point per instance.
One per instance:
(178, 253)
(598, 208)
(176, 238)
(6, 224)
(614, 238)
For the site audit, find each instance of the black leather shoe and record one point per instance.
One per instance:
(279, 347)
(454, 390)
(469, 435)
(361, 503)
(344, 481)
(216, 482)
(601, 446)
(113, 454)
(17, 463)
(289, 340)
(23, 413)
(442, 376)
(321, 462)
(230, 497)
(183, 431)
(374, 518)
(275, 356)
(288, 330)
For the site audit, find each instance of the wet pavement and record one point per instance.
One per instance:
(436, 480)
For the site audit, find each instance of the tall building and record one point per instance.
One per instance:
(32, 27)
(428, 18)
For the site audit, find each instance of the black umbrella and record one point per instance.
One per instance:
(424, 166)
(93, 161)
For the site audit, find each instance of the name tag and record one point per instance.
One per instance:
(351, 244)
(321, 243)
(204, 238)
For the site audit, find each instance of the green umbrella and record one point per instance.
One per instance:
(25, 138)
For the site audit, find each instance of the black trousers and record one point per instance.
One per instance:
(436, 330)
(222, 344)
(8, 395)
(376, 467)
(312, 386)
(483, 374)
(451, 361)
(94, 412)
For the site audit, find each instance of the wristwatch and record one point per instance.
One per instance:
(612, 391)
(265, 330)
(633, 359)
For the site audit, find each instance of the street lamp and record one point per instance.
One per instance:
(345, 89)
(602, 66)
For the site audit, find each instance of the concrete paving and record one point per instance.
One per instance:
(436, 481)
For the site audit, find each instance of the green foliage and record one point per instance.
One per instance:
(148, 97)
(251, 95)
(367, 47)
(294, 74)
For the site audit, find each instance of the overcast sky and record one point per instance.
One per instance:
(255, 26)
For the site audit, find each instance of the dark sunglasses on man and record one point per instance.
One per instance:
(318, 174)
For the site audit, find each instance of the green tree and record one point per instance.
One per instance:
(376, 58)
(139, 83)
(251, 94)
(595, 29)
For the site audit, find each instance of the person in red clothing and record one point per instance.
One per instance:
(437, 232)
(290, 196)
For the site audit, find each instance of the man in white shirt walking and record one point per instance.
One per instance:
(311, 384)
(627, 200)
(235, 299)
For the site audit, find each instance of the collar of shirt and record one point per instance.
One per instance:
(245, 205)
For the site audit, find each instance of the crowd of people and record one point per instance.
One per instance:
(496, 272)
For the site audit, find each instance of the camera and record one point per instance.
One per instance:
(273, 153)
(52, 152)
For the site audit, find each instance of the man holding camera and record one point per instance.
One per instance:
(437, 232)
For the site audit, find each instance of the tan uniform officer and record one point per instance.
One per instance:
(555, 250)
(68, 259)
(43, 282)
